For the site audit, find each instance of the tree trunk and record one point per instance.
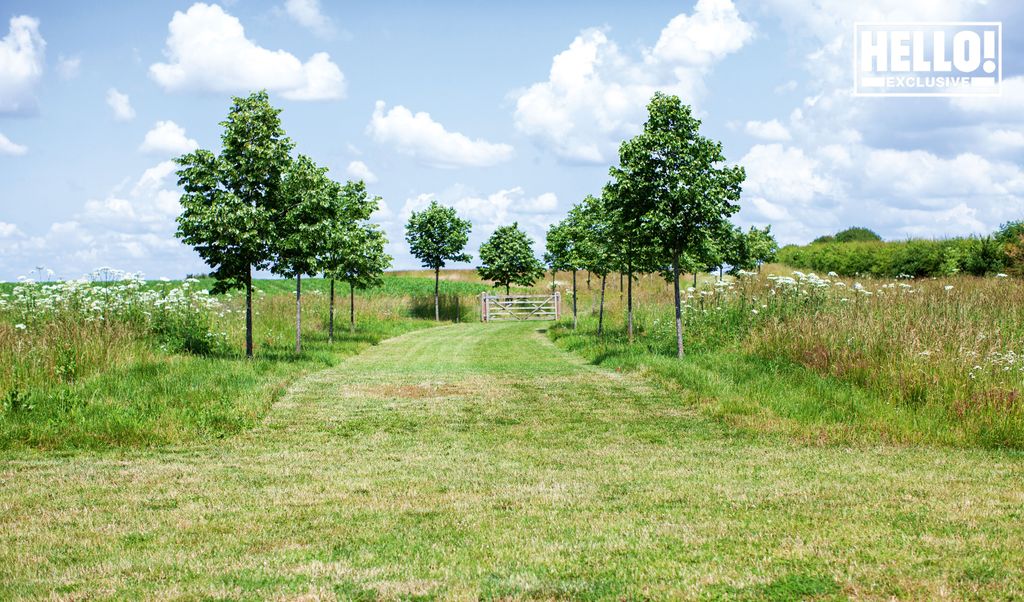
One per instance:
(629, 306)
(574, 317)
(351, 307)
(720, 270)
(330, 320)
(298, 314)
(248, 314)
(695, 279)
(507, 293)
(600, 313)
(437, 302)
(553, 289)
(679, 310)
(588, 281)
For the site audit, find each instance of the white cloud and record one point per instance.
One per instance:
(68, 67)
(1005, 140)
(595, 95)
(9, 230)
(767, 130)
(120, 104)
(360, 171)
(21, 64)
(783, 173)
(1009, 105)
(168, 138)
(307, 13)
(207, 50)
(496, 209)
(131, 228)
(419, 136)
(10, 148)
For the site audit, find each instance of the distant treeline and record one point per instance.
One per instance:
(865, 253)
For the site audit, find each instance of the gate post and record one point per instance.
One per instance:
(558, 306)
(483, 307)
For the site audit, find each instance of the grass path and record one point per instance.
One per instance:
(480, 461)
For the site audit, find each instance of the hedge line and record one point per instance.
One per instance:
(918, 258)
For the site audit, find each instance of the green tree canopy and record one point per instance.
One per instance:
(679, 184)
(230, 200)
(436, 236)
(508, 258)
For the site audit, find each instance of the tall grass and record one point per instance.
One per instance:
(931, 360)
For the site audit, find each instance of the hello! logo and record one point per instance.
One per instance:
(928, 59)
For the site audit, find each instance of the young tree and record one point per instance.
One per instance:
(354, 248)
(598, 250)
(229, 200)
(681, 185)
(563, 245)
(508, 258)
(630, 235)
(309, 207)
(762, 245)
(362, 266)
(437, 235)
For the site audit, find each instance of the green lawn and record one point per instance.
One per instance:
(479, 461)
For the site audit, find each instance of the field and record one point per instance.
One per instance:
(822, 441)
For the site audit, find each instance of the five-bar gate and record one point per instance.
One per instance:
(506, 308)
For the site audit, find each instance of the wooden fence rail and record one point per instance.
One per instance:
(506, 308)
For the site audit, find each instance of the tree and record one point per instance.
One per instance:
(680, 186)
(629, 231)
(229, 200)
(362, 265)
(309, 206)
(597, 249)
(437, 235)
(762, 245)
(508, 258)
(355, 248)
(563, 244)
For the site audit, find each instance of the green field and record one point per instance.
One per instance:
(479, 461)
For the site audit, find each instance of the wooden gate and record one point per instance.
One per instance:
(507, 308)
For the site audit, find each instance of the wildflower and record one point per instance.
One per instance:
(20, 326)
(1001, 275)
(755, 311)
(948, 287)
(832, 275)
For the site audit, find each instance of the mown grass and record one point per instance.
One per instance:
(924, 362)
(477, 461)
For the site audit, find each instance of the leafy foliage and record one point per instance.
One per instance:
(508, 258)
(437, 235)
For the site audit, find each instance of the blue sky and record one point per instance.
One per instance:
(510, 111)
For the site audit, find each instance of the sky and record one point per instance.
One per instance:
(508, 111)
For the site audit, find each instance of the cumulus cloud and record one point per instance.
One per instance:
(68, 67)
(419, 136)
(207, 50)
(120, 104)
(307, 13)
(22, 52)
(168, 138)
(9, 230)
(131, 228)
(595, 93)
(767, 130)
(904, 167)
(10, 148)
(360, 171)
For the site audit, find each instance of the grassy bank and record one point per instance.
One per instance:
(116, 364)
(828, 359)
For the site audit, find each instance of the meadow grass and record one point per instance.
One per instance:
(70, 379)
(477, 461)
(910, 361)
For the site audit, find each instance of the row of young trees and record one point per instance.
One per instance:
(665, 210)
(253, 207)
